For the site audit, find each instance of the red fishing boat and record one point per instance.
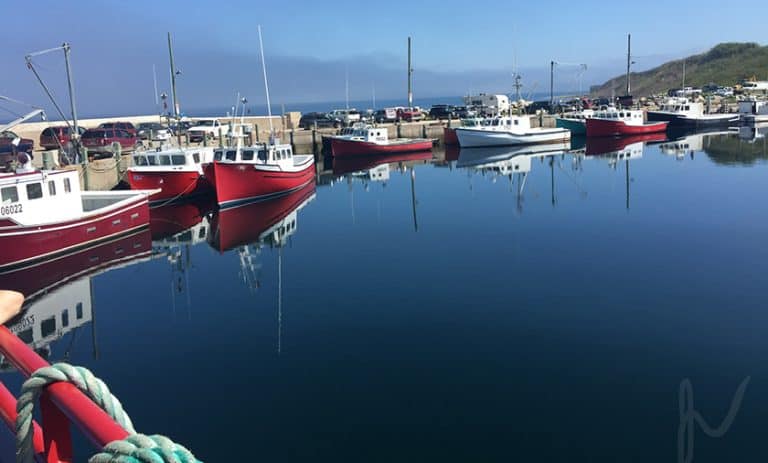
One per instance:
(176, 172)
(44, 215)
(612, 122)
(246, 174)
(369, 140)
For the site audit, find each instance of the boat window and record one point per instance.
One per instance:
(67, 186)
(247, 155)
(34, 191)
(218, 155)
(79, 310)
(165, 160)
(152, 160)
(516, 122)
(196, 157)
(65, 318)
(262, 155)
(178, 159)
(687, 108)
(231, 155)
(10, 194)
(48, 327)
(51, 188)
(140, 160)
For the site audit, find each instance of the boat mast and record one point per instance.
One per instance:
(629, 61)
(683, 87)
(410, 76)
(346, 87)
(266, 86)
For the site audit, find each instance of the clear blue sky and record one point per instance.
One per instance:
(458, 46)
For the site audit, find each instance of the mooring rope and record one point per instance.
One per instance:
(136, 448)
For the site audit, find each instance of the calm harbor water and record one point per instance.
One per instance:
(600, 303)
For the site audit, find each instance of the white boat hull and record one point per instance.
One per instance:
(470, 138)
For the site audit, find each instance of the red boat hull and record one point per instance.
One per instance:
(42, 278)
(343, 148)
(449, 135)
(173, 184)
(25, 246)
(610, 128)
(237, 183)
(235, 227)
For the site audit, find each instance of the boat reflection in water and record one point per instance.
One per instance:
(687, 143)
(176, 228)
(59, 292)
(753, 133)
(512, 163)
(367, 169)
(249, 227)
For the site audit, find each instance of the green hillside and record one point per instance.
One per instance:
(725, 64)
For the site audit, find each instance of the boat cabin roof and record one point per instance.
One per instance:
(258, 154)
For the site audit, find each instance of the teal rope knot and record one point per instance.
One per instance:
(136, 448)
(139, 448)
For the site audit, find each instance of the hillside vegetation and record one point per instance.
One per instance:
(725, 64)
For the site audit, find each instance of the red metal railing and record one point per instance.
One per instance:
(60, 404)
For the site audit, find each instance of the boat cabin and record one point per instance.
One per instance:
(683, 106)
(629, 116)
(514, 123)
(41, 197)
(267, 154)
(370, 134)
(175, 159)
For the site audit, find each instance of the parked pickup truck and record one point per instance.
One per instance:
(206, 128)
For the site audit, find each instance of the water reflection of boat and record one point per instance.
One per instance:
(505, 160)
(683, 143)
(269, 222)
(614, 145)
(37, 281)
(753, 133)
(58, 292)
(179, 218)
(343, 166)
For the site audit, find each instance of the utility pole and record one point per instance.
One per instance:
(629, 60)
(410, 76)
(551, 84)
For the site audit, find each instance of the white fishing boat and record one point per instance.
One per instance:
(509, 131)
(683, 112)
(753, 111)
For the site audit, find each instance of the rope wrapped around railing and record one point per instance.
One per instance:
(136, 448)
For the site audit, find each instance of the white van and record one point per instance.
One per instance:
(348, 116)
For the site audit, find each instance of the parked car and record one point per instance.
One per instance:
(181, 127)
(153, 131)
(8, 150)
(348, 116)
(465, 112)
(539, 106)
(321, 120)
(56, 137)
(105, 141)
(385, 115)
(410, 114)
(205, 128)
(122, 125)
(442, 111)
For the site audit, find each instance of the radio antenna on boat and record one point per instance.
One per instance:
(266, 86)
